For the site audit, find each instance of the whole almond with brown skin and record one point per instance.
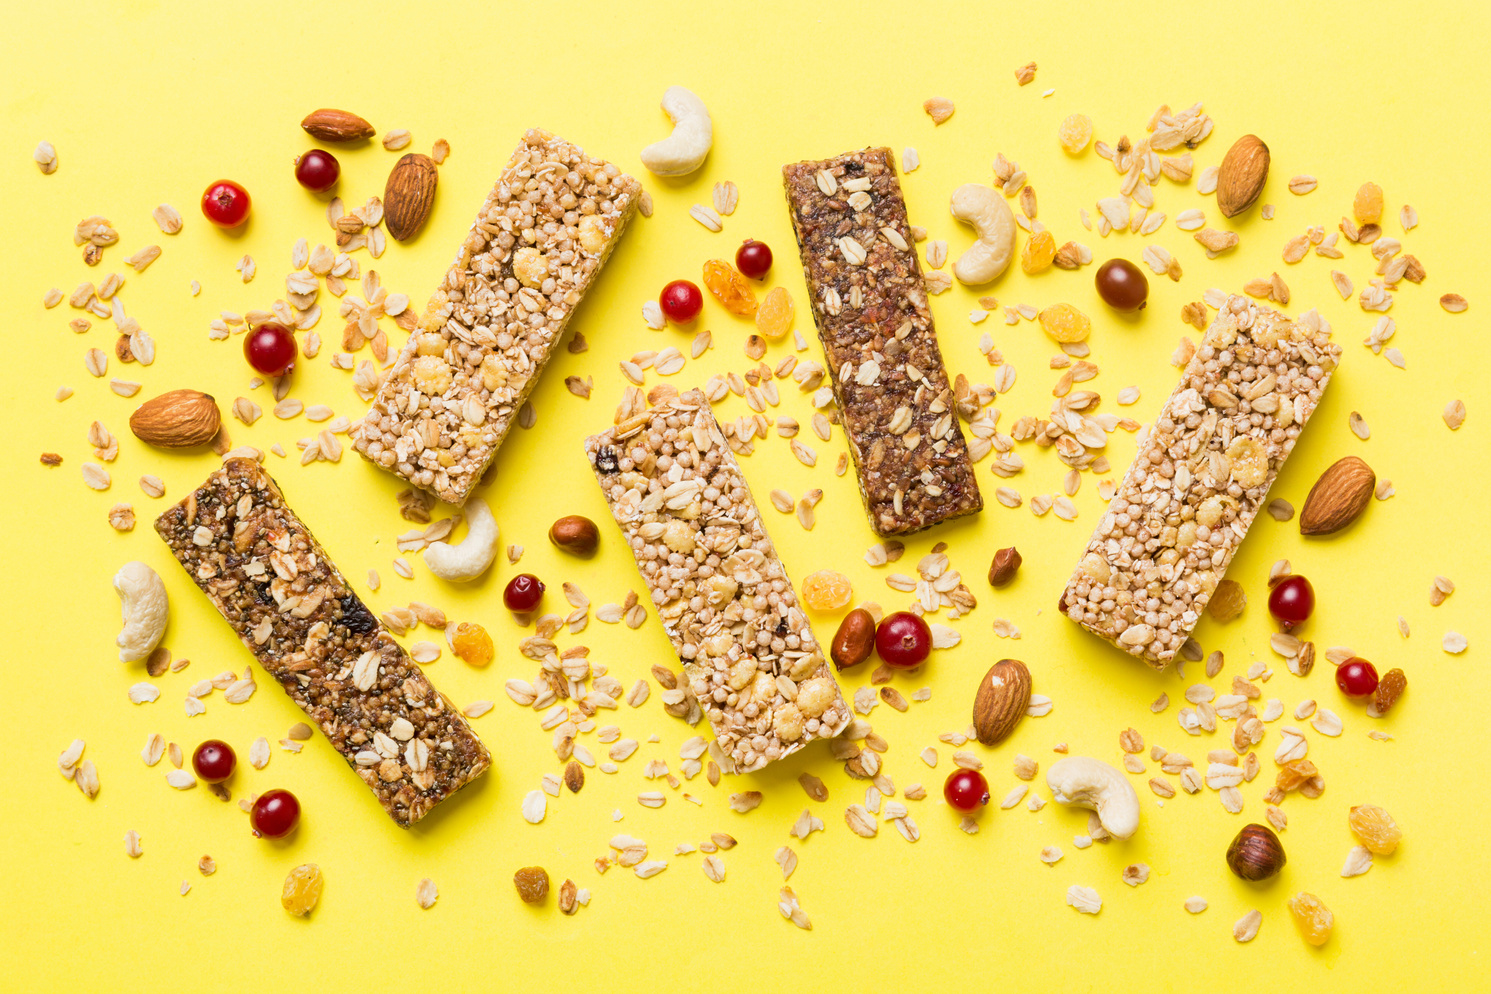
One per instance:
(331, 125)
(1242, 174)
(1004, 567)
(177, 419)
(409, 195)
(855, 639)
(1338, 498)
(1001, 701)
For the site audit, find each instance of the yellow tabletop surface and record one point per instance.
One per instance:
(146, 103)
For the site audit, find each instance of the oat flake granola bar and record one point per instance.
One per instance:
(871, 309)
(1200, 478)
(543, 234)
(724, 598)
(261, 567)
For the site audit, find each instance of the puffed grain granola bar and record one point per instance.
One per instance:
(1201, 476)
(722, 593)
(261, 567)
(538, 242)
(870, 305)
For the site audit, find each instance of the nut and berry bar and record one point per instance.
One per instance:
(749, 655)
(1200, 478)
(261, 567)
(870, 304)
(538, 242)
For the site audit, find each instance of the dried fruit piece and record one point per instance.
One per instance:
(1065, 323)
(1228, 601)
(826, 590)
(1389, 689)
(302, 890)
(1312, 917)
(1376, 828)
(1368, 204)
(1075, 132)
(774, 319)
(1039, 254)
(729, 287)
(532, 883)
(471, 642)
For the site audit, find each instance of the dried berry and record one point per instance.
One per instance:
(1228, 601)
(774, 319)
(1389, 689)
(1075, 132)
(1065, 323)
(826, 590)
(471, 642)
(1040, 252)
(1376, 828)
(1312, 917)
(729, 288)
(532, 883)
(302, 890)
(1367, 206)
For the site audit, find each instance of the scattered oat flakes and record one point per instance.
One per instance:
(1084, 899)
(939, 109)
(1246, 927)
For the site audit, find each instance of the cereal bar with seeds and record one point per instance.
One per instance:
(870, 305)
(537, 244)
(723, 595)
(261, 567)
(1201, 476)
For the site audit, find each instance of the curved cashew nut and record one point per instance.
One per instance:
(985, 209)
(693, 133)
(1092, 783)
(142, 598)
(471, 557)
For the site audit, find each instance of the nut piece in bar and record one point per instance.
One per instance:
(1201, 476)
(749, 656)
(261, 567)
(870, 305)
(543, 234)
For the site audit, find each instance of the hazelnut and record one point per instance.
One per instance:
(1256, 854)
(575, 534)
(1006, 564)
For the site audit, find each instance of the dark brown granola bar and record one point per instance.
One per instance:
(719, 587)
(261, 567)
(871, 309)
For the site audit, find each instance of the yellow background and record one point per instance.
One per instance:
(146, 103)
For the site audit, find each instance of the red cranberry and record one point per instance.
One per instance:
(214, 760)
(1356, 677)
(275, 814)
(1291, 600)
(523, 592)
(317, 171)
(753, 259)
(226, 204)
(681, 301)
(903, 640)
(270, 348)
(966, 790)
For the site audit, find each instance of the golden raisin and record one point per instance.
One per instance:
(774, 319)
(1294, 774)
(1040, 252)
(1312, 917)
(1376, 828)
(1368, 204)
(826, 590)
(532, 883)
(471, 642)
(1389, 689)
(729, 288)
(302, 890)
(1075, 132)
(1065, 323)
(1228, 601)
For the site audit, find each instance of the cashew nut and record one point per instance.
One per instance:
(1092, 783)
(471, 557)
(693, 133)
(985, 209)
(142, 598)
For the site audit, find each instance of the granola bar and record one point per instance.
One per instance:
(261, 567)
(871, 309)
(723, 595)
(1200, 478)
(538, 242)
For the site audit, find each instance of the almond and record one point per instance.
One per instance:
(409, 195)
(1001, 701)
(176, 419)
(1338, 498)
(330, 125)
(1242, 174)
